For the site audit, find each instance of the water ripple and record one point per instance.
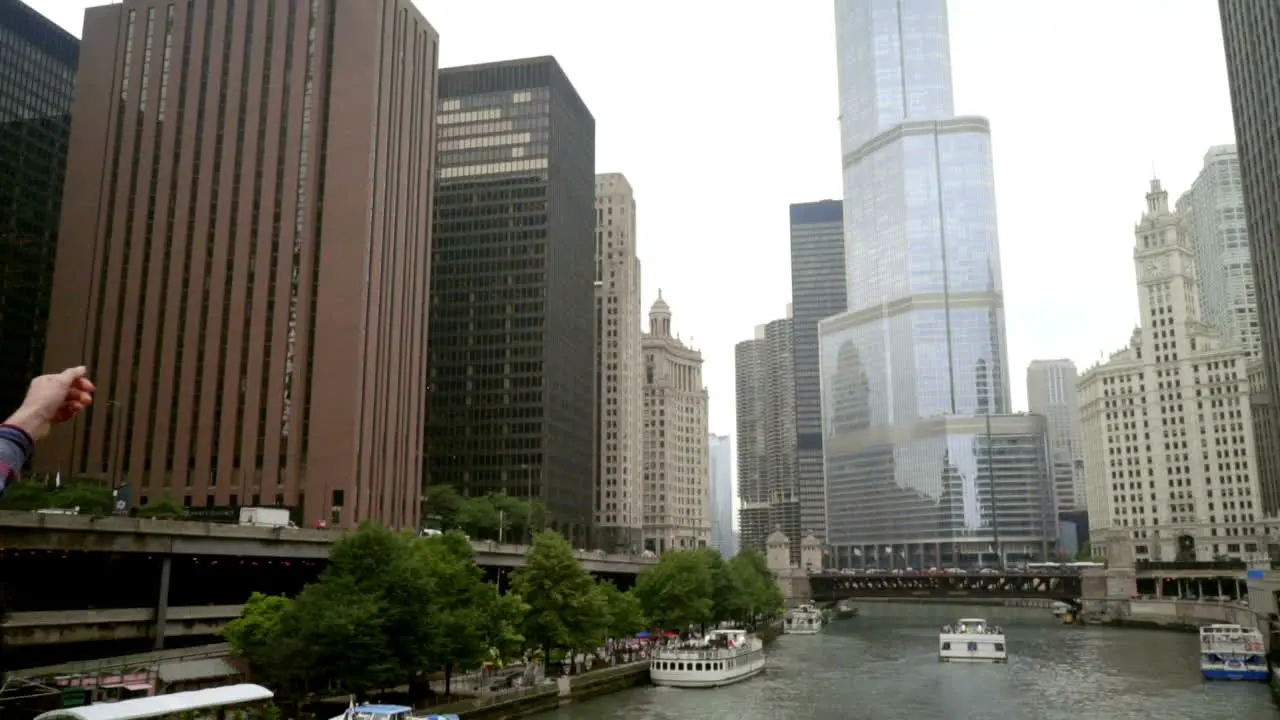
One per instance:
(868, 669)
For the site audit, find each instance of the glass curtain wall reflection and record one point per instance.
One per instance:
(921, 347)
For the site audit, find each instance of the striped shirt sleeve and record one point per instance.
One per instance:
(16, 448)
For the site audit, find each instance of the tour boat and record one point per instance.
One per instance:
(802, 620)
(721, 658)
(1232, 652)
(972, 640)
(845, 609)
(387, 712)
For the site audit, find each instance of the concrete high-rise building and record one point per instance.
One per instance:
(37, 83)
(512, 346)
(1166, 422)
(768, 485)
(1051, 392)
(921, 346)
(1252, 43)
(1266, 436)
(817, 292)
(1213, 217)
(619, 498)
(244, 254)
(677, 493)
(720, 469)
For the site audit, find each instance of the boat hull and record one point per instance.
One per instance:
(802, 630)
(972, 648)
(705, 679)
(1224, 673)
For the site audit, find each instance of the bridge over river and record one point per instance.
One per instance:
(830, 587)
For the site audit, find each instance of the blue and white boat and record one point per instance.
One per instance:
(1232, 652)
(387, 712)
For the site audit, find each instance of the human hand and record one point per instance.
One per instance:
(52, 399)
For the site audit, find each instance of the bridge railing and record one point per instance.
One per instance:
(1192, 565)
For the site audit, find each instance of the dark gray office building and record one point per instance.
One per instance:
(37, 82)
(512, 344)
(817, 292)
(1251, 36)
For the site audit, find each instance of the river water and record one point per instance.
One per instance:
(886, 668)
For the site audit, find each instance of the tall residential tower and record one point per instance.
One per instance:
(244, 254)
(1213, 217)
(768, 488)
(512, 347)
(1051, 392)
(619, 497)
(817, 292)
(919, 357)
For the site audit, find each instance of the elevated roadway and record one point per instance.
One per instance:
(40, 531)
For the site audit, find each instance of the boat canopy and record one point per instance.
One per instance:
(161, 705)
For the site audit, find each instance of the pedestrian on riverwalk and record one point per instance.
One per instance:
(53, 398)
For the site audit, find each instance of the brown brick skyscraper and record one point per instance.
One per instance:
(245, 253)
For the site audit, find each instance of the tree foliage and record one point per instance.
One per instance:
(496, 516)
(566, 609)
(164, 507)
(389, 609)
(90, 496)
(623, 610)
(698, 587)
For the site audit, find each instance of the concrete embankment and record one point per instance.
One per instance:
(549, 695)
(1177, 615)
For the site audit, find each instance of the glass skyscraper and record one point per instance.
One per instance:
(37, 83)
(920, 351)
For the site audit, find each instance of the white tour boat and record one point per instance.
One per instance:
(1232, 652)
(804, 619)
(721, 658)
(972, 640)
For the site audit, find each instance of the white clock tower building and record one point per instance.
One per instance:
(1165, 423)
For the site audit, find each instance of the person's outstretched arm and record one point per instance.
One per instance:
(50, 399)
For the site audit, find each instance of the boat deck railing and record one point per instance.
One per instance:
(700, 653)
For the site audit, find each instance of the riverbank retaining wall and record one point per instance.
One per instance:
(550, 695)
(1185, 615)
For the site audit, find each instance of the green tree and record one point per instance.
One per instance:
(164, 507)
(479, 518)
(760, 595)
(340, 638)
(565, 610)
(384, 566)
(257, 638)
(465, 615)
(679, 591)
(443, 505)
(625, 615)
(91, 497)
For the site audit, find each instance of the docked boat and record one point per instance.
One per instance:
(972, 640)
(804, 619)
(721, 658)
(1232, 652)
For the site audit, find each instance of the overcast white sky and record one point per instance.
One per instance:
(721, 113)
